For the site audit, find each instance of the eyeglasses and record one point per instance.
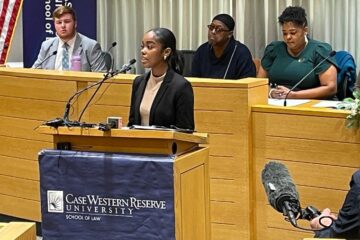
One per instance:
(217, 29)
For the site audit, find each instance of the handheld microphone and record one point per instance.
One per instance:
(125, 68)
(47, 58)
(332, 53)
(283, 196)
(281, 190)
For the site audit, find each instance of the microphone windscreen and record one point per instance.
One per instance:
(113, 44)
(279, 186)
(54, 52)
(332, 53)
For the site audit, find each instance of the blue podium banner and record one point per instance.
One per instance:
(38, 23)
(87, 195)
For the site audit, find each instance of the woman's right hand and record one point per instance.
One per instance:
(279, 92)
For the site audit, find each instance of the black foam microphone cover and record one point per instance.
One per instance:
(279, 187)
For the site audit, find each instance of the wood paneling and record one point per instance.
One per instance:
(320, 153)
(19, 168)
(21, 148)
(228, 213)
(222, 108)
(23, 108)
(21, 188)
(20, 207)
(21, 128)
(224, 167)
(225, 190)
(39, 89)
(221, 231)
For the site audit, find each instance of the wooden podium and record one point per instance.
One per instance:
(18, 231)
(191, 186)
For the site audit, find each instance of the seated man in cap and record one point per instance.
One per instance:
(222, 56)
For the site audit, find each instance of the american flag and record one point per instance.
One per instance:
(9, 12)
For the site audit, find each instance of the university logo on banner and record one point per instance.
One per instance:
(55, 201)
(38, 24)
(9, 12)
(89, 195)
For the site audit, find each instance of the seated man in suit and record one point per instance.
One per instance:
(69, 43)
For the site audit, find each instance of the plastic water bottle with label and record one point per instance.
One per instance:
(76, 63)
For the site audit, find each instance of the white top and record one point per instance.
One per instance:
(152, 87)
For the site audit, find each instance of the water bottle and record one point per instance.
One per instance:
(76, 63)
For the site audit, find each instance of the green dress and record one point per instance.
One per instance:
(286, 70)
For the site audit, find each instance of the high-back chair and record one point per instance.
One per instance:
(346, 76)
(109, 61)
(187, 56)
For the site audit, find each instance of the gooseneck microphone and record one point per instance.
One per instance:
(281, 190)
(231, 58)
(124, 69)
(45, 59)
(331, 54)
(101, 58)
(106, 54)
(112, 59)
(65, 121)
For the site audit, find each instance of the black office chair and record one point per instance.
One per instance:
(109, 61)
(187, 56)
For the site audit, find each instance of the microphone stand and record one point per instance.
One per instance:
(45, 59)
(65, 121)
(108, 75)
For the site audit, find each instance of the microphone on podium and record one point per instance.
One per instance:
(331, 54)
(45, 59)
(124, 69)
(65, 120)
(112, 58)
(112, 45)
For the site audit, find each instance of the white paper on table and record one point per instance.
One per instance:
(327, 104)
(289, 102)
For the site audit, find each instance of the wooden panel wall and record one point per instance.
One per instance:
(222, 109)
(27, 99)
(320, 153)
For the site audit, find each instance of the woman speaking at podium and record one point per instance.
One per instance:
(162, 96)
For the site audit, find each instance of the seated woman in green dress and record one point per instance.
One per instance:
(286, 62)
